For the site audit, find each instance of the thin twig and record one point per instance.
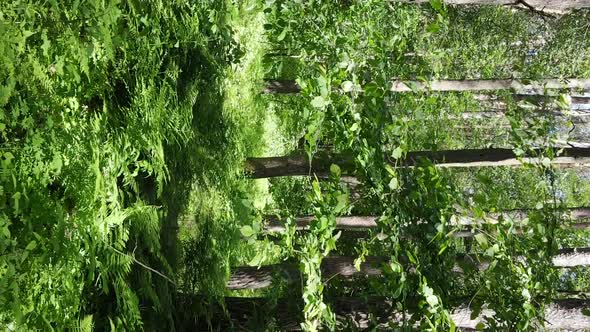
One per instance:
(144, 265)
(533, 9)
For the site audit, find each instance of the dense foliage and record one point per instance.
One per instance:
(96, 99)
(125, 127)
(345, 75)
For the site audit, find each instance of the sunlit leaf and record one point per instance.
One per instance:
(394, 184)
(335, 170)
(318, 102)
(397, 153)
(246, 231)
(347, 86)
(283, 34)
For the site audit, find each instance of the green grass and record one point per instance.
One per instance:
(230, 131)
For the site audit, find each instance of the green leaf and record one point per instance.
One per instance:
(342, 203)
(482, 240)
(395, 267)
(427, 291)
(335, 170)
(390, 170)
(32, 245)
(16, 196)
(411, 257)
(86, 324)
(475, 311)
(432, 300)
(354, 127)
(257, 260)
(394, 184)
(493, 250)
(318, 102)
(316, 189)
(357, 263)
(480, 326)
(8, 156)
(437, 5)
(433, 27)
(397, 153)
(57, 163)
(347, 86)
(381, 236)
(247, 203)
(247, 231)
(526, 294)
(322, 85)
(283, 34)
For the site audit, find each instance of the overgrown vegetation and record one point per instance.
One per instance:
(111, 112)
(125, 128)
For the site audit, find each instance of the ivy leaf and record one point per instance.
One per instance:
(322, 85)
